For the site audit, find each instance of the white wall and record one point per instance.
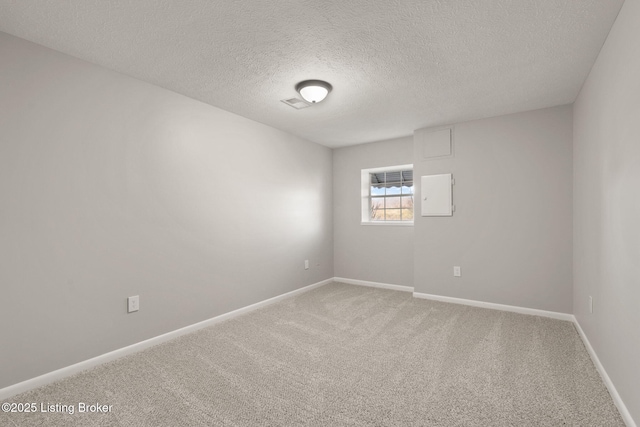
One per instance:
(607, 206)
(111, 187)
(511, 232)
(376, 253)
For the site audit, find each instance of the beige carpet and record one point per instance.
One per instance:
(344, 355)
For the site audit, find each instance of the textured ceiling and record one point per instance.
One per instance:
(395, 65)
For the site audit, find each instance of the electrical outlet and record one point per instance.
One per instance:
(133, 304)
(590, 304)
(456, 271)
(306, 264)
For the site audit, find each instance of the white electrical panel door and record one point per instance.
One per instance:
(437, 195)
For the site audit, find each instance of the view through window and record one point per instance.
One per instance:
(391, 195)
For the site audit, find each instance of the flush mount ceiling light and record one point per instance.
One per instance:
(313, 90)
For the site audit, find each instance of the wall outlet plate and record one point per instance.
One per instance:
(456, 271)
(133, 304)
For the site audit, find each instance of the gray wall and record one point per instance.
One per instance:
(607, 206)
(511, 232)
(377, 253)
(111, 187)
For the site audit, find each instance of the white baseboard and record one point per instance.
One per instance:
(374, 284)
(59, 374)
(624, 412)
(494, 306)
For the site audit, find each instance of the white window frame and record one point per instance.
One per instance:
(365, 186)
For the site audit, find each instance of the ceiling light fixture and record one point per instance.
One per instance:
(313, 91)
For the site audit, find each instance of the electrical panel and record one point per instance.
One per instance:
(437, 195)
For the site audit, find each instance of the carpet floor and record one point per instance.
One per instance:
(343, 355)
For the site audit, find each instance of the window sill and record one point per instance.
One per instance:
(388, 223)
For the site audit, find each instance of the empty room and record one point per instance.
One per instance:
(299, 213)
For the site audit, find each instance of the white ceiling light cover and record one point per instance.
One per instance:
(313, 90)
(314, 93)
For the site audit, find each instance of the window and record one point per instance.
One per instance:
(387, 195)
